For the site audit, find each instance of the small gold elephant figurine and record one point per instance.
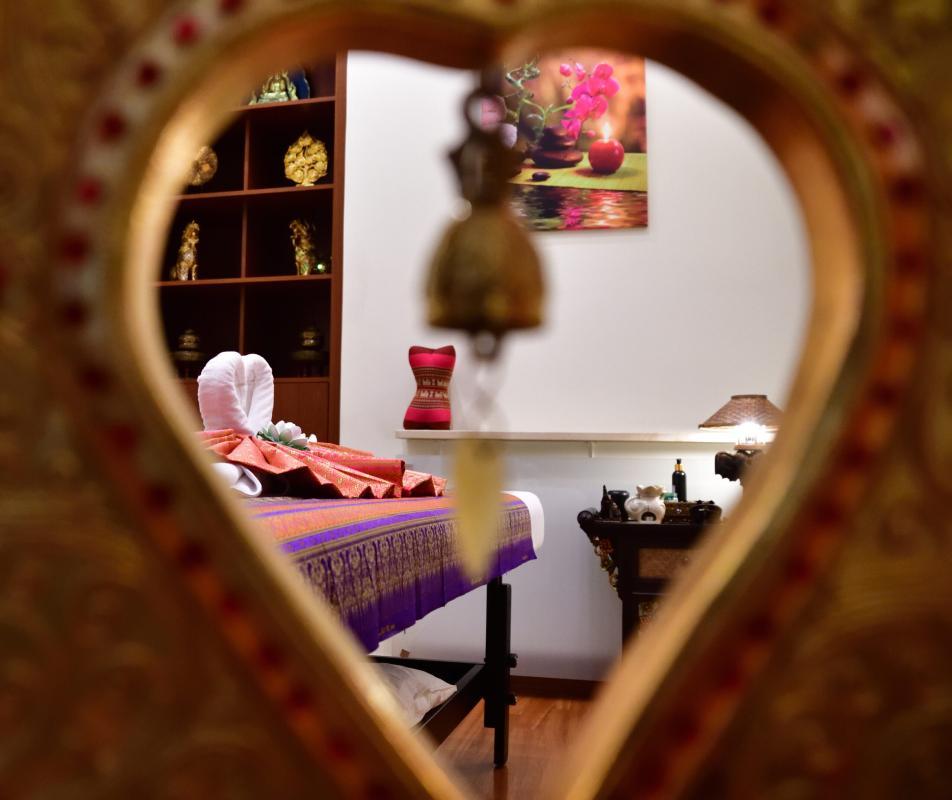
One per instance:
(186, 265)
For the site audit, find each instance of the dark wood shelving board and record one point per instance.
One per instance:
(251, 280)
(251, 194)
(266, 107)
(247, 296)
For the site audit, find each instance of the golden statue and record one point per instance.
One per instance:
(204, 167)
(310, 358)
(305, 250)
(186, 265)
(187, 357)
(278, 88)
(305, 162)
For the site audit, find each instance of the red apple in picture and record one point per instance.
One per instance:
(606, 155)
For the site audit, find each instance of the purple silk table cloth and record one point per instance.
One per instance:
(384, 564)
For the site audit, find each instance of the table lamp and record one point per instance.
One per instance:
(754, 420)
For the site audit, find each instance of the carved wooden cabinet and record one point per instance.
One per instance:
(639, 559)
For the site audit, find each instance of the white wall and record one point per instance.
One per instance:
(648, 330)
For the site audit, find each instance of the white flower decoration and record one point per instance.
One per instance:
(286, 433)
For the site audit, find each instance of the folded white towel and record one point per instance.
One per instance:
(239, 478)
(236, 391)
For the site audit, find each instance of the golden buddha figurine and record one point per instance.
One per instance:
(186, 265)
(306, 258)
(278, 88)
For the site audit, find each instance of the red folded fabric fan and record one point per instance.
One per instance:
(430, 406)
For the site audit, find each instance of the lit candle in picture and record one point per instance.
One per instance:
(606, 154)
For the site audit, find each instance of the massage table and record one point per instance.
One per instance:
(375, 540)
(382, 565)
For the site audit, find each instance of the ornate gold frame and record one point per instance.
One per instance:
(174, 598)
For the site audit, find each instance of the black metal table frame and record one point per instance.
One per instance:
(488, 681)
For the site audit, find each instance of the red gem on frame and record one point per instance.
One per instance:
(192, 556)
(905, 329)
(74, 247)
(111, 126)
(884, 394)
(653, 778)
(339, 748)
(760, 629)
(185, 30)
(298, 699)
(94, 379)
(850, 82)
(230, 6)
(148, 73)
(158, 497)
(122, 436)
(231, 605)
(799, 569)
(884, 134)
(770, 13)
(74, 313)
(856, 457)
(378, 791)
(89, 191)
(906, 191)
(909, 262)
(269, 656)
(829, 512)
(686, 730)
(730, 678)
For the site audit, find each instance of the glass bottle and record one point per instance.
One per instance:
(679, 482)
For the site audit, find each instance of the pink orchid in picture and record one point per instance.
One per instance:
(589, 98)
(565, 70)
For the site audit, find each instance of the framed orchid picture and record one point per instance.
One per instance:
(579, 120)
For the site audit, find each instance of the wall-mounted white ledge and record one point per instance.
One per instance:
(673, 437)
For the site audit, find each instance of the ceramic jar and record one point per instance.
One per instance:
(647, 505)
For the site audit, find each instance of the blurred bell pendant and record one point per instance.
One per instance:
(485, 276)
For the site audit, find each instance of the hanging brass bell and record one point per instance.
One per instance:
(485, 275)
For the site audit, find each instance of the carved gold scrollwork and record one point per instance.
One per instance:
(604, 550)
(116, 679)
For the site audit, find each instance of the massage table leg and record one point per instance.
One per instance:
(498, 663)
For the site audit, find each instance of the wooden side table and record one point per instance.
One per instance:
(639, 558)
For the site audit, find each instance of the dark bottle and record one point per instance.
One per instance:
(679, 482)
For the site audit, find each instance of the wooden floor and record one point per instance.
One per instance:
(540, 729)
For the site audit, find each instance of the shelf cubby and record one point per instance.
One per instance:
(270, 135)
(211, 311)
(275, 315)
(269, 248)
(230, 175)
(219, 240)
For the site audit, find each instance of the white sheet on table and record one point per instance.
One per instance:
(536, 517)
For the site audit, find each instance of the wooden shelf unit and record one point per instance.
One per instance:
(248, 296)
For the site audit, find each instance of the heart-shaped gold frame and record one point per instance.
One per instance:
(222, 670)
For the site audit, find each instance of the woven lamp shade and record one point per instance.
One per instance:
(743, 408)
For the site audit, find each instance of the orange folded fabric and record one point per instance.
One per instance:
(324, 469)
